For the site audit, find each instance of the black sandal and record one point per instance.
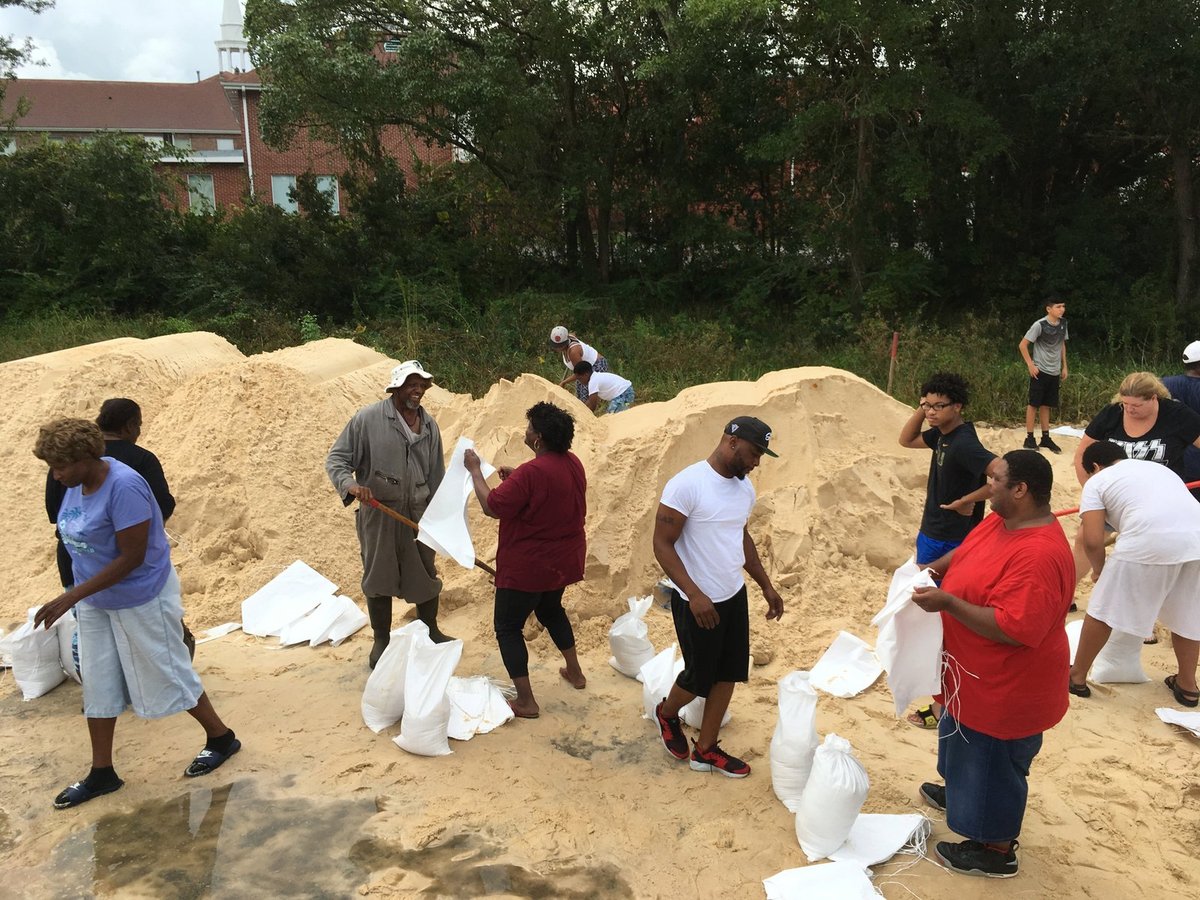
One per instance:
(1184, 698)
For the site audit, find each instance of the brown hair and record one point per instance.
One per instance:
(66, 441)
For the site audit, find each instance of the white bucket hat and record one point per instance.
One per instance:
(401, 372)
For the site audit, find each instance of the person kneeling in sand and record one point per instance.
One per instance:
(1003, 602)
(541, 506)
(1154, 572)
(701, 542)
(608, 386)
(131, 648)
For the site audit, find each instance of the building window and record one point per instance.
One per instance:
(181, 143)
(282, 192)
(154, 140)
(328, 185)
(10, 147)
(202, 196)
(224, 143)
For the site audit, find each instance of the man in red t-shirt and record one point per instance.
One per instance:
(1003, 599)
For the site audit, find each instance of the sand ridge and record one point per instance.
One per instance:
(243, 442)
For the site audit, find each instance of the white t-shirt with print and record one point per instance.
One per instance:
(1158, 519)
(710, 544)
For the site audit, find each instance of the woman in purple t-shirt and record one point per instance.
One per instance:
(541, 506)
(128, 604)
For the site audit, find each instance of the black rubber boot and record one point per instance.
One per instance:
(379, 609)
(427, 613)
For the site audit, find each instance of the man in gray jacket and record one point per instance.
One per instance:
(391, 452)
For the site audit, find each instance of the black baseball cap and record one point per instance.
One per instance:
(756, 431)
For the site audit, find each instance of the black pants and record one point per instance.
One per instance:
(512, 610)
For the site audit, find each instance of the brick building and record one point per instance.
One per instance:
(208, 131)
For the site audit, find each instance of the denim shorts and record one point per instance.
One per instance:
(622, 401)
(986, 780)
(136, 657)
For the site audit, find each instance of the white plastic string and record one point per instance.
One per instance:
(952, 672)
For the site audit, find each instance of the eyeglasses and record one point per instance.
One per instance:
(934, 406)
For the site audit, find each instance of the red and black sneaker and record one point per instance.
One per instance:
(671, 730)
(714, 759)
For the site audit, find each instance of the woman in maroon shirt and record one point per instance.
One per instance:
(541, 506)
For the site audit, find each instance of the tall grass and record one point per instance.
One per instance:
(660, 354)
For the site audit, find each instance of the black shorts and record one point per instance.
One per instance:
(1043, 390)
(713, 654)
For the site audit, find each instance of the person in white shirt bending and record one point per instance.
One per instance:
(1154, 570)
(701, 542)
(608, 386)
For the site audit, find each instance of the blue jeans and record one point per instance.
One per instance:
(987, 780)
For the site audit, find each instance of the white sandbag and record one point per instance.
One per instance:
(350, 619)
(423, 729)
(1119, 660)
(836, 790)
(443, 525)
(693, 713)
(909, 645)
(656, 677)
(795, 739)
(217, 631)
(68, 646)
(383, 697)
(306, 628)
(36, 661)
(876, 838)
(828, 881)
(628, 638)
(847, 668)
(286, 598)
(476, 707)
(1187, 720)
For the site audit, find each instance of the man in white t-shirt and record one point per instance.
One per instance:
(1154, 570)
(608, 386)
(701, 542)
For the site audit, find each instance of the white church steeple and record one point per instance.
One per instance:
(233, 52)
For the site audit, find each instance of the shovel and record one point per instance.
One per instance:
(405, 520)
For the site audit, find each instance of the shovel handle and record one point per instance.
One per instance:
(405, 520)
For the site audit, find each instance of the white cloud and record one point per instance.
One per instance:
(133, 40)
(45, 63)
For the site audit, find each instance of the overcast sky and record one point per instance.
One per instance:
(120, 40)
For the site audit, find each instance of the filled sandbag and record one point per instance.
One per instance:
(383, 697)
(36, 658)
(426, 721)
(628, 638)
(795, 739)
(656, 677)
(833, 797)
(1119, 660)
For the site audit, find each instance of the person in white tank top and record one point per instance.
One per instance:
(574, 351)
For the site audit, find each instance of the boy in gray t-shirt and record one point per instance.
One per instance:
(1047, 338)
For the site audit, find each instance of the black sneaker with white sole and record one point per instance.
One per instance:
(934, 795)
(714, 759)
(974, 858)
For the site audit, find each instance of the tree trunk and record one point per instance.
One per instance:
(1185, 224)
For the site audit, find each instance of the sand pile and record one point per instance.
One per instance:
(243, 442)
(568, 805)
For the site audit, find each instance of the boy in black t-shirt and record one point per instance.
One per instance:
(958, 485)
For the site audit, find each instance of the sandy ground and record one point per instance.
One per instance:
(582, 802)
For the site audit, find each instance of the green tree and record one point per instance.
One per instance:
(12, 54)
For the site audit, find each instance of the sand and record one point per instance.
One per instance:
(583, 802)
